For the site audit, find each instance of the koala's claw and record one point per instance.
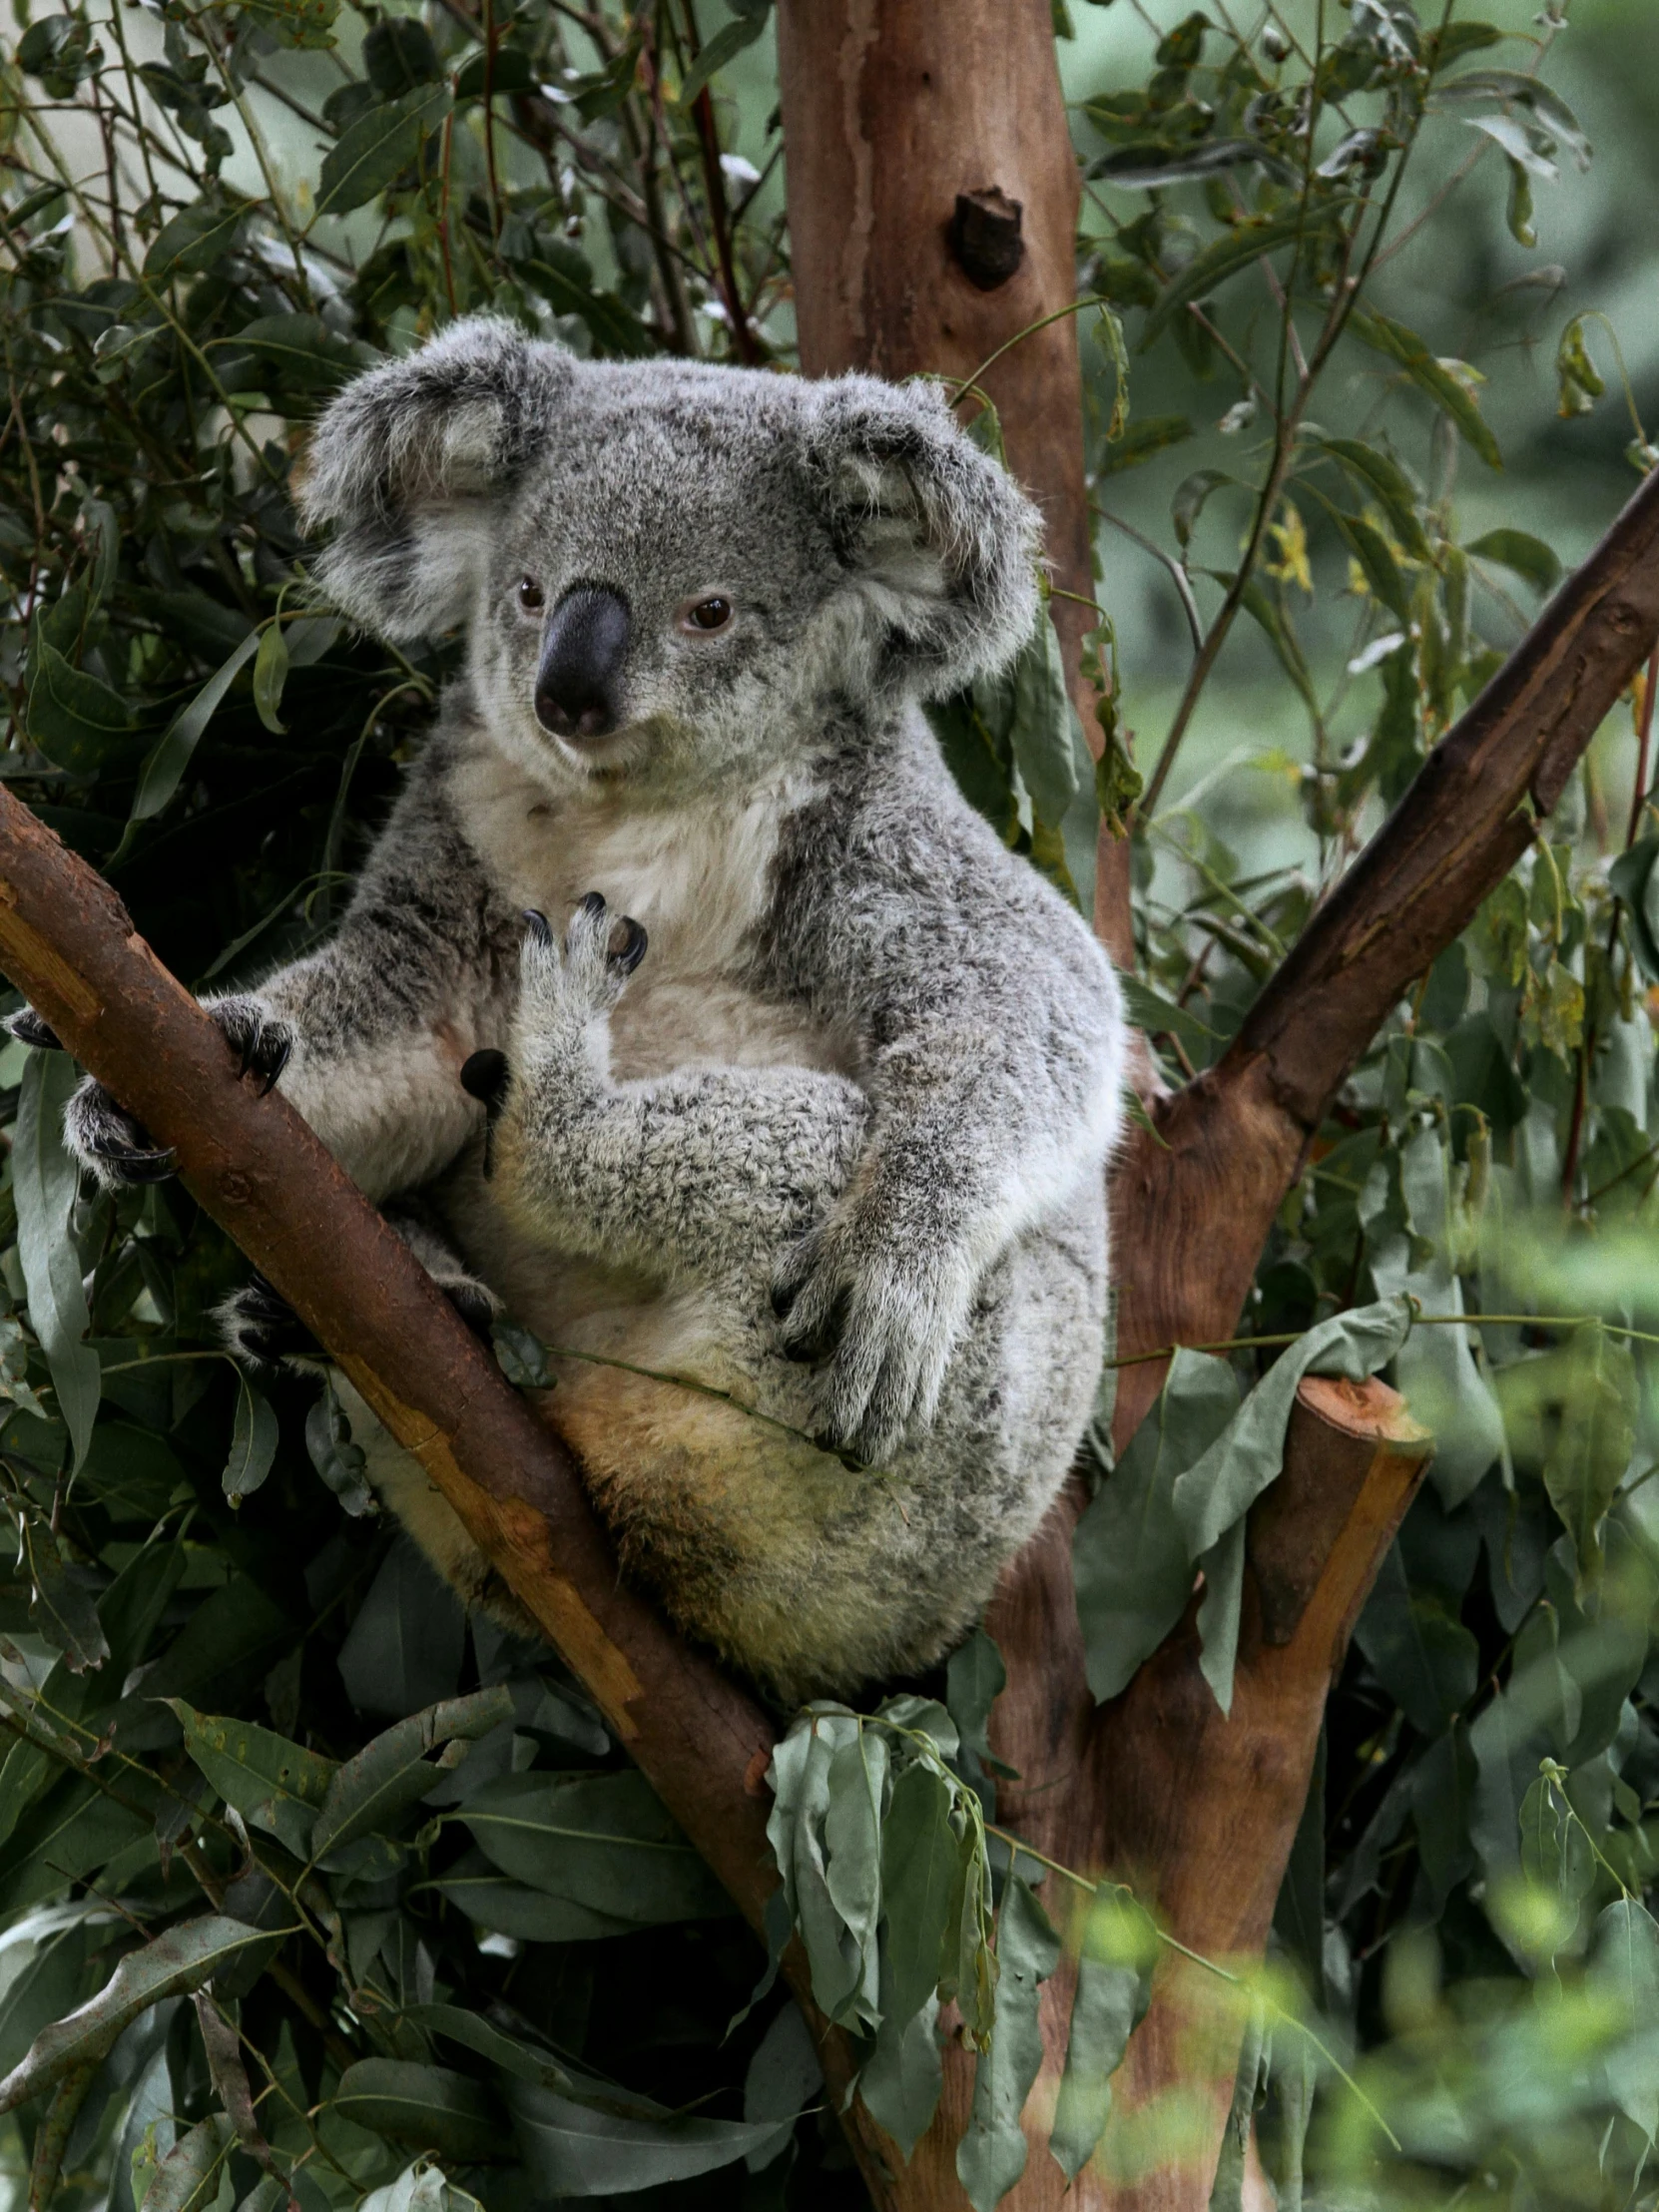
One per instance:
(258, 1324)
(263, 1044)
(634, 945)
(488, 1077)
(112, 1144)
(587, 974)
(29, 1028)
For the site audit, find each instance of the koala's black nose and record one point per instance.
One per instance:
(581, 658)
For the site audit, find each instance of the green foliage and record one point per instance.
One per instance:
(311, 1889)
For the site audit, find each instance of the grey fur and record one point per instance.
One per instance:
(858, 1101)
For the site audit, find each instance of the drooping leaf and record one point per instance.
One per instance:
(170, 757)
(253, 1440)
(1593, 1448)
(904, 2077)
(852, 1848)
(1114, 1987)
(1450, 395)
(183, 1959)
(1151, 167)
(187, 2179)
(920, 1877)
(1379, 474)
(431, 2108)
(574, 2150)
(375, 1786)
(404, 1648)
(62, 1610)
(307, 355)
(975, 1679)
(1529, 556)
(75, 717)
(378, 147)
(1624, 1969)
(602, 1841)
(1237, 248)
(1425, 1659)
(728, 42)
(993, 2152)
(197, 236)
(1131, 1567)
(1150, 435)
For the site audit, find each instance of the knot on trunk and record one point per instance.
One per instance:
(985, 240)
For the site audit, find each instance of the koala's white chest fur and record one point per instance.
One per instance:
(695, 875)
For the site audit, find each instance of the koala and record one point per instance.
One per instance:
(726, 1045)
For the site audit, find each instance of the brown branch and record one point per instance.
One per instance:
(68, 943)
(1464, 822)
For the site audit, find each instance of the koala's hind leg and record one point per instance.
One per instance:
(707, 1173)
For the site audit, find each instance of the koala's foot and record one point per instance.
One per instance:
(258, 1324)
(881, 1316)
(113, 1145)
(472, 1297)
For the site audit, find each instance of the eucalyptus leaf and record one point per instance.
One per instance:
(377, 147)
(276, 1785)
(183, 1959)
(993, 2152)
(431, 2108)
(1450, 395)
(573, 2150)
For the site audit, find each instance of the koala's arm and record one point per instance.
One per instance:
(704, 1174)
(366, 1038)
(990, 1028)
(383, 1017)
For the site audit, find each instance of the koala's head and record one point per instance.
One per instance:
(667, 570)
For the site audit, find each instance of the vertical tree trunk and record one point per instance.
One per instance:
(933, 202)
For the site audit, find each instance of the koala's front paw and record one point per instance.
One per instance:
(884, 1324)
(113, 1145)
(262, 1039)
(258, 1324)
(570, 987)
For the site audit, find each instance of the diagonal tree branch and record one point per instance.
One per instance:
(1230, 1145)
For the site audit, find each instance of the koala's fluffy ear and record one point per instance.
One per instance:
(939, 542)
(409, 462)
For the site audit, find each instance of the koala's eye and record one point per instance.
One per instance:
(713, 613)
(531, 597)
